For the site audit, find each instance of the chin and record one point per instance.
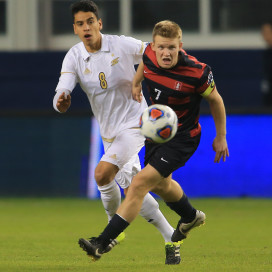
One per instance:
(166, 66)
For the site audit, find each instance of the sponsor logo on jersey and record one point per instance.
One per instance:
(114, 61)
(178, 86)
(87, 71)
(210, 78)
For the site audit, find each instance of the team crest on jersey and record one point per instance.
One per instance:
(114, 61)
(210, 78)
(178, 86)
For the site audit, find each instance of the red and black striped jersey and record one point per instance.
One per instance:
(181, 87)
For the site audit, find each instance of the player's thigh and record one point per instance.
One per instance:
(125, 145)
(147, 179)
(128, 171)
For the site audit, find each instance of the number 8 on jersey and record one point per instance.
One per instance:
(103, 82)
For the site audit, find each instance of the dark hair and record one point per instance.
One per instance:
(86, 6)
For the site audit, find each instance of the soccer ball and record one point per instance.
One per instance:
(159, 123)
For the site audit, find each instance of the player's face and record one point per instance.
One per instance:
(166, 50)
(87, 27)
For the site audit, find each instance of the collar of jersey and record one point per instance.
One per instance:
(104, 48)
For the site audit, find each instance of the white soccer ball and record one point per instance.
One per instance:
(159, 123)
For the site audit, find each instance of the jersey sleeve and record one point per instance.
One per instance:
(68, 76)
(133, 47)
(206, 85)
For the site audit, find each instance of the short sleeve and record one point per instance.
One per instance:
(206, 84)
(133, 47)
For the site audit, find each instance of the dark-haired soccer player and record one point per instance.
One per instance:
(103, 65)
(180, 81)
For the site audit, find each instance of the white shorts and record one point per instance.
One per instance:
(123, 152)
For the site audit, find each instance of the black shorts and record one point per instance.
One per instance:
(168, 157)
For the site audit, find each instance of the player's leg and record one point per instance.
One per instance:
(165, 159)
(117, 153)
(144, 181)
(150, 210)
(126, 213)
(190, 217)
(105, 172)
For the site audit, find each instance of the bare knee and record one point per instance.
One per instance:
(163, 187)
(105, 173)
(100, 178)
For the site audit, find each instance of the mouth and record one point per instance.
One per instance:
(166, 61)
(87, 36)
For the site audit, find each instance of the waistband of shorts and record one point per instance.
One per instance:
(110, 140)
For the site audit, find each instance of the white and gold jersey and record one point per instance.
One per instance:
(106, 77)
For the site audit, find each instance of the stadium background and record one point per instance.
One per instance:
(44, 153)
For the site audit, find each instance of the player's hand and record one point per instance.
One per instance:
(64, 102)
(137, 92)
(220, 147)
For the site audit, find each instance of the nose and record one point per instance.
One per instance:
(86, 26)
(166, 52)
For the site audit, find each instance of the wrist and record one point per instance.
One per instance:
(221, 135)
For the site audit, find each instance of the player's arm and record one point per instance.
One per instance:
(218, 112)
(137, 83)
(66, 84)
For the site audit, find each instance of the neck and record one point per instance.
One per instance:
(94, 47)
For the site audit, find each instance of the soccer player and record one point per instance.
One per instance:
(103, 65)
(178, 80)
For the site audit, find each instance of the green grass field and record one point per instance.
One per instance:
(42, 234)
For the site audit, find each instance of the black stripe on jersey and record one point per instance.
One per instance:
(194, 81)
(170, 92)
(185, 61)
(166, 93)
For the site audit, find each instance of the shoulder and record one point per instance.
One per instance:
(123, 42)
(75, 51)
(197, 68)
(191, 61)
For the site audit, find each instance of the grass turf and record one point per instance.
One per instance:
(42, 234)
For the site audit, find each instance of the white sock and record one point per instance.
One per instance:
(111, 198)
(151, 212)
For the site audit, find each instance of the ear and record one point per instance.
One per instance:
(100, 24)
(153, 46)
(75, 31)
(180, 45)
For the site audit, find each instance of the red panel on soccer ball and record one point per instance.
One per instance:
(165, 133)
(155, 114)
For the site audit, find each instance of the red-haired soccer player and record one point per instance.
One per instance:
(180, 81)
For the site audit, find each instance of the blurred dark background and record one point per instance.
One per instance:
(44, 153)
